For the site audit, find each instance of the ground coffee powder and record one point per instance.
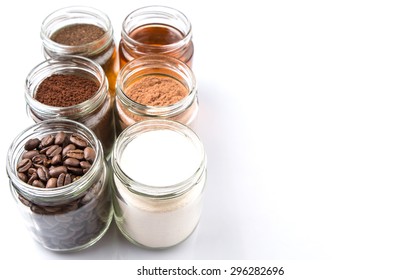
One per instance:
(77, 34)
(61, 90)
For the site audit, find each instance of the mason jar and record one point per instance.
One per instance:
(62, 218)
(101, 48)
(129, 111)
(96, 112)
(159, 174)
(156, 30)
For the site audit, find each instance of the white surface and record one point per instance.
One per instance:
(309, 113)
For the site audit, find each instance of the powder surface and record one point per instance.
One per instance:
(156, 90)
(61, 90)
(160, 158)
(77, 34)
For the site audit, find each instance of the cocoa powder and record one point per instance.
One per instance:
(77, 34)
(61, 90)
(156, 90)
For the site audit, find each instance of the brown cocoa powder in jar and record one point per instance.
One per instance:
(61, 90)
(77, 34)
(156, 90)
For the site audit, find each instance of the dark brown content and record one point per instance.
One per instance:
(61, 90)
(77, 34)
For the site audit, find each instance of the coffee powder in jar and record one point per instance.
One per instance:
(83, 31)
(60, 182)
(74, 88)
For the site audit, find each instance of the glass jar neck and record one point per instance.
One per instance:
(67, 193)
(156, 65)
(160, 192)
(65, 65)
(76, 15)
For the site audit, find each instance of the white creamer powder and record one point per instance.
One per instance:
(159, 158)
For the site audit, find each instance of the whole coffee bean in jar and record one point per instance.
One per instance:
(75, 88)
(60, 181)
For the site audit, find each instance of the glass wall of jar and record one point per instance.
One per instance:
(67, 216)
(82, 31)
(159, 173)
(129, 111)
(96, 112)
(156, 30)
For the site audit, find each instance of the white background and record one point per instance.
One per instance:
(309, 112)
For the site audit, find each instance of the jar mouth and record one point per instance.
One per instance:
(43, 196)
(76, 15)
(156, 65)
(155, 191)
(66, 64)
(156, 15)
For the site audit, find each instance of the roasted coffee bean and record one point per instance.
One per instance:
(22, 176)
(31, 171)
(24, 165)
(71, 162)
(60, 138)
(32, 144)
(56, 171)
(47, 141)
(75, 178)
(38, 183)
(78, 140)
(75, 170)
(85, 164)
(68, 148)
(52, 183)
(53, 151)
(56, 159)
(67, 179)
(77, 154)
(63, 179)
(32, 178)
(42, 173)
(89, 154)
(24, 201)
(39, 159)
(30, 154)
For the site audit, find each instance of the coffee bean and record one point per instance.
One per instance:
(53, 151)
(38, 183)
(89, 154)
(68, 148)
(24, 165)
(42, 173)
(32, 144)
(31, 171)
(52, 183)
(60, 138)
(71, 162)
(47, 141)
(67, 179)
(78, 140)
(77, 154)
(39, 159)
(60, 180)
(30, 154)
(75, 170)
(56, 171)
(32, 178)
(85, 164)
(56, 159)
(24, 201)
(22, 176)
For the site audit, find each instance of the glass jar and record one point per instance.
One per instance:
(67, 218)
(129, 111)
(96, 112)
(158, 200)
(156, 30)
(103, 50)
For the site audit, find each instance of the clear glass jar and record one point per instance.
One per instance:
(103, 50)
(96, 112)
(156, 30)
(129, 111)
(68, 218)
(150, 212)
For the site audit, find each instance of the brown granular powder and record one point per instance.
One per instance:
(61, 90)
(156, 90)
(77, 34)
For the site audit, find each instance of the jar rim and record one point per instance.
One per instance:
(88, 49)
(64, 64)
(156, 12)
(42, 195)
(158, 192)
